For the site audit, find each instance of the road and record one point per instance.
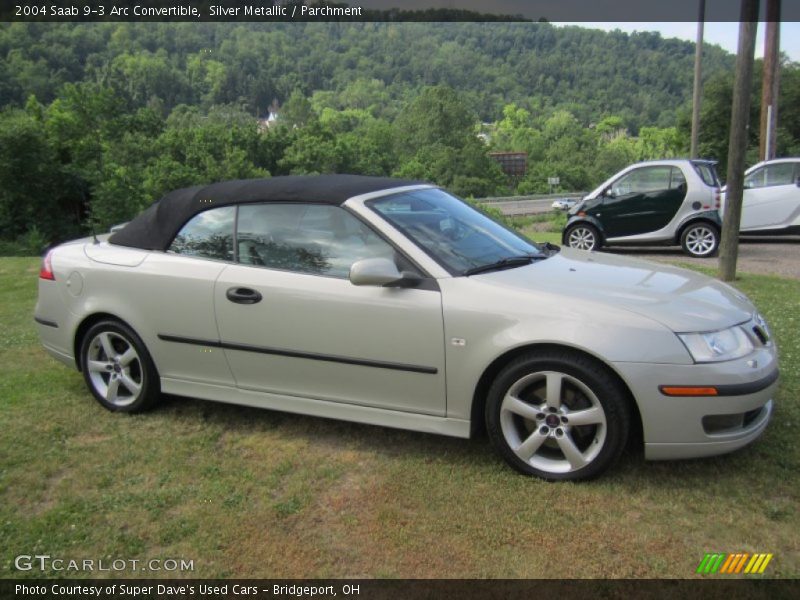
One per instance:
(761, 255)
(526, 205)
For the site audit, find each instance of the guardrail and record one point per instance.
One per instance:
(528, 205)
(551, 197)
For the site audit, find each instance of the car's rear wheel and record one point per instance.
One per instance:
(558, 415)
(700, 240)
(117, 368)
(583, 237)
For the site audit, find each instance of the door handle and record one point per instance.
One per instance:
(242, 295)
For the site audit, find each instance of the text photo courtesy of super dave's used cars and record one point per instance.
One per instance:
(392, 302)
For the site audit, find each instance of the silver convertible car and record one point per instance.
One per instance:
(394, 303)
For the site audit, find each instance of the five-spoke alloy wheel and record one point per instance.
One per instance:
(700, 240)
(558, 415)
(583, 237)
(117, 367)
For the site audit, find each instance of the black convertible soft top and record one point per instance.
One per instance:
(156, 227)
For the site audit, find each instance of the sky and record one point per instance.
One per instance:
(672, 18)
(722, 34)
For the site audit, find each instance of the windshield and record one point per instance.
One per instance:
(453, 233)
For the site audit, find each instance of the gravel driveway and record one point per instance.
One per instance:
(761, 255)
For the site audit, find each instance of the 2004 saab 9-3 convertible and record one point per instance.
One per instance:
(394, 303)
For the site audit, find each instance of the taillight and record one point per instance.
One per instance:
(717, 199)
(46, 271)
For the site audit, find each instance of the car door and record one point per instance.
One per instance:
(643, 200)
(292, 323)
(771, 197)
(174, 291)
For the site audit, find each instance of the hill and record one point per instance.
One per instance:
(640, 77)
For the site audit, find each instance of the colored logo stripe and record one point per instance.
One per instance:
(732, 564)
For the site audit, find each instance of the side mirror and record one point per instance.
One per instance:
(375, 271)
(609, 193)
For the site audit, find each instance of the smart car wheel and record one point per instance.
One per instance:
(117, 368)
(700, 240)
(583, 237)
(557, 415)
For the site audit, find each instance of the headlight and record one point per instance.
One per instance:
(717, 346)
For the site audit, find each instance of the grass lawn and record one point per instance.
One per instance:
(256, 493)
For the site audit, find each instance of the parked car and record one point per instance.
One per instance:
(664, 202)
(771, 199)
(564, 204)
(394, 303)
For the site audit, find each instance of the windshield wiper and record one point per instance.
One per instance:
(503, 263)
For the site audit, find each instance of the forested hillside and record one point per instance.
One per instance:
(98, 120)
(642, 77)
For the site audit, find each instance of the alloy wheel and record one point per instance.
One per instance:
(553, 422)
(114, 368)
(700, 240)
(582, 238)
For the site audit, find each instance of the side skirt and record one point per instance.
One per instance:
(318, 408)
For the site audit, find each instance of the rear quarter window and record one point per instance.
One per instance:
(707, 173)
(207, 235)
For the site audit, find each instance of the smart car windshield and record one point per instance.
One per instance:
(461, 239)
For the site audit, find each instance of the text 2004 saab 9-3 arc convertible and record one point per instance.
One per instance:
(394, 303)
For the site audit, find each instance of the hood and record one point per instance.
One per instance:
(682, 300)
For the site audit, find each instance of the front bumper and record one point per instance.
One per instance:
(677, 427)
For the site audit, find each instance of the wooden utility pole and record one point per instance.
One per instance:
(737, 144)
(771, 81)
(694, 151)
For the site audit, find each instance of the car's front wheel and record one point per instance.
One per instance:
(583, 237)
(117, 368)
(700, 240)
(558, 415)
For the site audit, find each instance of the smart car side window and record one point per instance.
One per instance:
(207, 235)
(643, 180)
(780, 174)
(756, 179)
(306, 238)
(677, 179)
(777, 174)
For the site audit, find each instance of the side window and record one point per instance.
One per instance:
(642, 181)
(306, 238)
(777, 174)
(207, 235)
(677, 180)
(780, 174)
(756, 179)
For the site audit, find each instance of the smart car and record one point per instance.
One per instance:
(665, 202)
(394, 303)
(771, 199)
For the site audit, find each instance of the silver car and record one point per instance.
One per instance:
(771, 199)
(393, 303)
(563, 204)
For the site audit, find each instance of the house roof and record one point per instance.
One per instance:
(157, 226)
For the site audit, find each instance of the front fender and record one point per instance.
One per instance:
(582, 219)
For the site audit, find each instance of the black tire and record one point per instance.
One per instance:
(119, 380)
(586, 390)
(582, 236)
(700, 240)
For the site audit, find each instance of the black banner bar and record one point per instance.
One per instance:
(394, 589)
(272, 11)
